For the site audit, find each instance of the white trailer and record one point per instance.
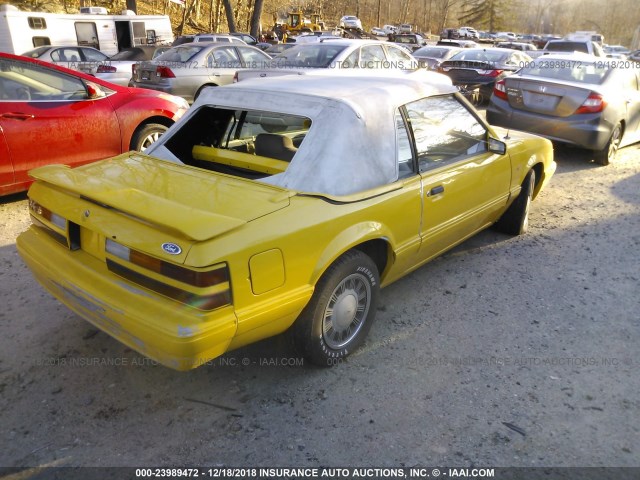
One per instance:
(23, 31)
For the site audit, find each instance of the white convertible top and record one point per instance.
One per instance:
(351, 145)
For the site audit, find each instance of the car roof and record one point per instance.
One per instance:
(352, 113)
(350, 89)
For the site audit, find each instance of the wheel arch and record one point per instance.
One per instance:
(376, 244)
(167, 122)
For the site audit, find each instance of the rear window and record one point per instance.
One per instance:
(480, 56)
(311, 55)
(567, 47)
(179, 54)
(567, 70)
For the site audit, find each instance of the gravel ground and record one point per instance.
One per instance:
(503, 352)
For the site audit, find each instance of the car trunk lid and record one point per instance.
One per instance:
(150, 73)
(177, 202)
(546, 97)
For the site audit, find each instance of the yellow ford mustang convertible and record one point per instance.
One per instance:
(273, 205)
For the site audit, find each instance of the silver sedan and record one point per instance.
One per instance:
(585, 101)
(187, 69)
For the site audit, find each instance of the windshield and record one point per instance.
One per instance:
(310, 55)
(567, 47)
(36, 53)
(480, 56)
(430, 52)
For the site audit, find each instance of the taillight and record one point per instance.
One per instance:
(593, 104)
(235, 77)
(106, 69)
(164, 72)
(490, 73)
(205, 289)
(500, 89)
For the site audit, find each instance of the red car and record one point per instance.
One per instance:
(50, 114)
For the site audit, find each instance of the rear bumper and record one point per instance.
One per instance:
(178, 336)
(590, 131)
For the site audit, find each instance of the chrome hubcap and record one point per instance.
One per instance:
(346, 311)
(149, 139)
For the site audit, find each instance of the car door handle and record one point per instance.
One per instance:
(17, 115)
(435, 191)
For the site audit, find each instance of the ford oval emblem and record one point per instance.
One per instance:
(171, 248)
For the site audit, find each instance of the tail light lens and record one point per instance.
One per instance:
(490, 73)
(106, 69)
(500, 89)
(164, 72)
(204, 289)
(593, 104)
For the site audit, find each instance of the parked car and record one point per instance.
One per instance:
(449, 33)
(278, 48)
(431, 56)
(274, 205)
(572, 99)
(570, 46)
(350, 21)
(405, 28)
(189, 68)
(179, 40)
(117, 69)
(218, 37)
(468, 32)
(83, 59)
(389, 29)
(51, 114)
(522, 46)
(616, 51)
(342, 57)
(411, 41)
(506, 36)
(378, 32)
(245, 37)
(482, 67)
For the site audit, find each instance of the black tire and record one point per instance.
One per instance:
(608, 153)
(341, 311)
(145, 136)
(515, 221)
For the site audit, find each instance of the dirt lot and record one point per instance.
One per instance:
(504, 352)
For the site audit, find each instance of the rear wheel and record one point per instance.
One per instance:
(609, 152)
(515, 221)
(341, 311)
(147, 135)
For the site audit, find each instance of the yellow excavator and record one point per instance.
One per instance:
(298, 23)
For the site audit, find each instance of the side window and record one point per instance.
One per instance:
(40, 41)
(93, 55)
(20, 81)
(351, 61)
(252, 58)
(223, 57)
(403, 148)
(65, 55)
(399, 58)
(444, 131)
(372, 56)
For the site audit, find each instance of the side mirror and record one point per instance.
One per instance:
(94, 91)
(497, 146)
